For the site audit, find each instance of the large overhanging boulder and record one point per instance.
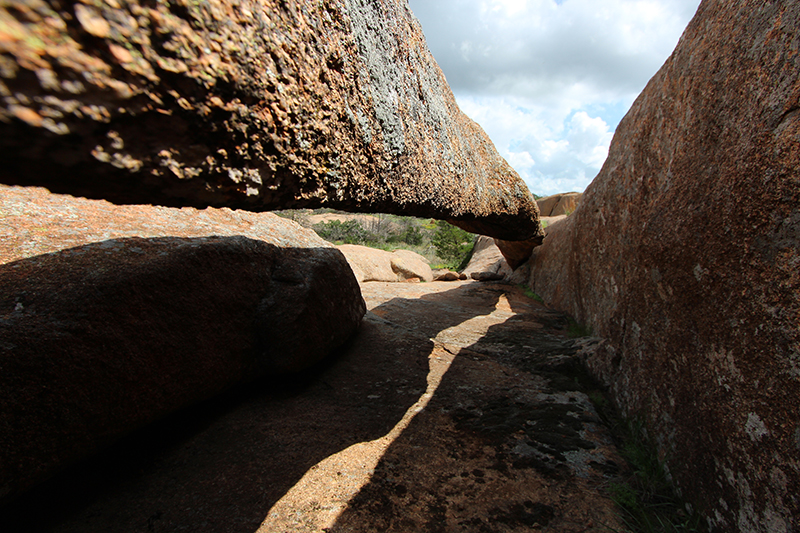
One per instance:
(684, 253)
(252, 104)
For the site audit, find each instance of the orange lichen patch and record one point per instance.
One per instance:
(122, 54)
(26, 114)
(92, 21)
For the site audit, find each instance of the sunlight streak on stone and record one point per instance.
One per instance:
(317, 500)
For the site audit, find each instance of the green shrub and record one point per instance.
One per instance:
(453, 244)
(348, 232)
(530, 294)
(412, 236)
(646, 498)
(644, 494)
(427, 237)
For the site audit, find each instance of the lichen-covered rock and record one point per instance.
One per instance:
(100, 339)
(684, 254)
(37, 222)
(252, 104)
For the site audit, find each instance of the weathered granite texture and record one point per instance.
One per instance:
(36, 222)
(684, 254)
(486, 257)
(253, 104)
(99, 340)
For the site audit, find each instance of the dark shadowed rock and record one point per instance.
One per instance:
(245, 104)
(515, 252)
(98, 340)
(684, 255)
(487, 276)
(458, 407)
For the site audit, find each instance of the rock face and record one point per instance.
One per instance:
(37, 222)
(247, 104)
(453, 396)
(558, 204)
(101, 339)
(370, 264)
(684, 255)
(486, 258)
(183, 316)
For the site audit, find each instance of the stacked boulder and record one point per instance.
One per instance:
(252, 104)
(370, 264)
(559, 204)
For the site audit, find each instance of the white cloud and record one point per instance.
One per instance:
(551, 154)
(549, 80)
(589, 138)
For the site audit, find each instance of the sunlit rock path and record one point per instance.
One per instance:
(458, 407)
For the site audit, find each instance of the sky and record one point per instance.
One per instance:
(549, 80)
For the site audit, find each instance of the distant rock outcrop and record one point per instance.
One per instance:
(247, 104)
(101, 339)
(685, 255)
(370, 264)
(486, 259)
(559, 204)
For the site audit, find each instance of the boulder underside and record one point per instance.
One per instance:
(255, 105)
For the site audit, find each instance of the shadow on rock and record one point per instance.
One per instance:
(222, 465)
(509, 441)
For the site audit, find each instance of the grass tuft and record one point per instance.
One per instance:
(576, 330)
(529, 293)
(645, 497)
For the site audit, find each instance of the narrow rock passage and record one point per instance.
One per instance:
(509, 441)
(458, 407)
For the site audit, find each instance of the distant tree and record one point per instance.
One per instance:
(298, 215)
(452, 244)
(412, 235)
